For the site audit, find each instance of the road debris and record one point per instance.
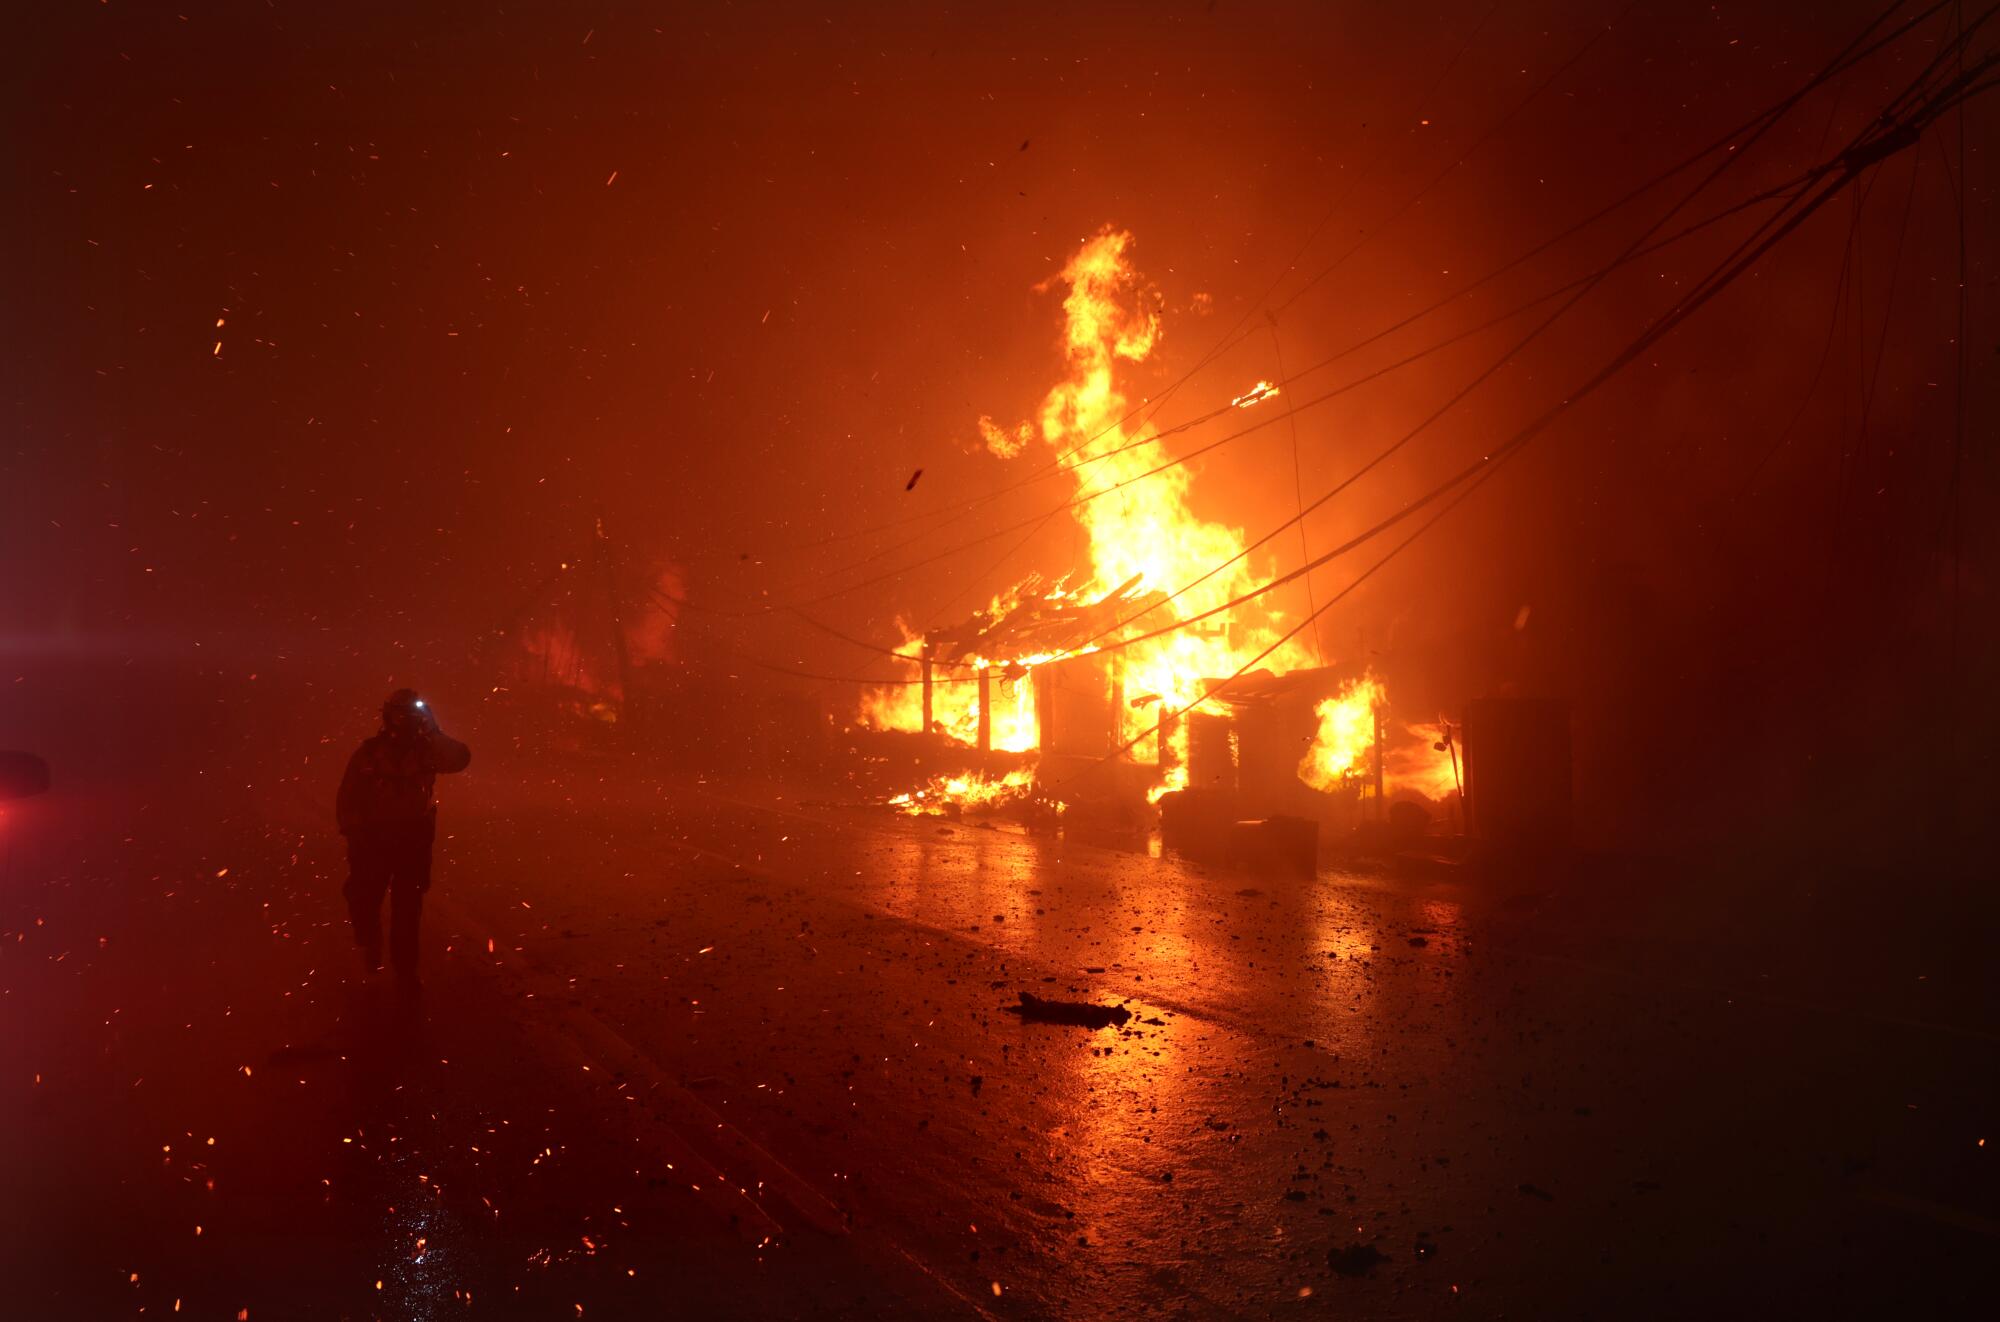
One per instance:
(1082, 1014)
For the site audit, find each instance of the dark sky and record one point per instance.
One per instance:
(728, 274)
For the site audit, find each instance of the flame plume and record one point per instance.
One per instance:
(1146, 530)
(1143, 536)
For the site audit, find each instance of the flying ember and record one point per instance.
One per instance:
(1256, 394)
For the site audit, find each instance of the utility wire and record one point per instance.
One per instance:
(1845, 59)
(1231, 337)
(1584, 289)
(1856, 160)
(1298, 485)
(1763, 121)
(1176, 461)
(1724, 275)
(1867, 150)
(1858, 49)
(1833, 319)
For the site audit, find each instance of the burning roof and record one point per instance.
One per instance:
(1041, 625)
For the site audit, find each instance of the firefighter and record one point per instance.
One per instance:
(386, 811)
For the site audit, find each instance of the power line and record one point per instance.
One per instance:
(1882, 138)
(1475, 472)
(1229, 338)
(867, 680)
(1763, 122)
(1855, 51)
(1833, 319)
(1583, 289)
(1851, 54)
(1726, 273)
(1298, 486)
(1271, 419)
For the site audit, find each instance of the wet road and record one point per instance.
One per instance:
(711, 1051)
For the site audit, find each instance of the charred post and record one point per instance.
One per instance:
(926, 665)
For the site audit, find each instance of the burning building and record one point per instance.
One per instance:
(1153, 664)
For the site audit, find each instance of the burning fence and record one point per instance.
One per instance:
(1091, 666)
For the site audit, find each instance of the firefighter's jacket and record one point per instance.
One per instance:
(389, 780)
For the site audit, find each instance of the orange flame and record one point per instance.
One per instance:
(971, 790)
(955, 701)
(1145, 528)
(1420, 766)
(1342, 747)
(1256, 394)
(1141, 529)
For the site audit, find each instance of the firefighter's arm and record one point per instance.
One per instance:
(445, 754)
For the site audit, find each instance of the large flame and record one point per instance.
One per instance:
(1416, 761)
(1342, 748)
(1145, 529)
(1143, 536)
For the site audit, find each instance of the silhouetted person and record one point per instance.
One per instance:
(387, 813)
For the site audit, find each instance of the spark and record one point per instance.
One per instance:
(1256, 394)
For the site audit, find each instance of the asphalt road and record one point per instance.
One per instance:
(688, 1049)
